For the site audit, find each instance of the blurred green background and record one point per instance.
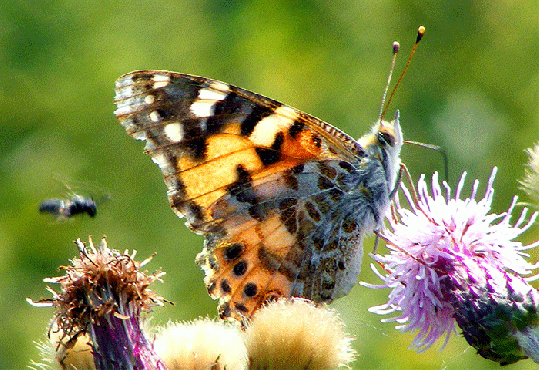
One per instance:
(472, 89)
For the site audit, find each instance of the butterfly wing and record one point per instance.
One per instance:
(267, 185)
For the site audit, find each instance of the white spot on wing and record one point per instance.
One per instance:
(202, 108)
(265, 131)
(174, 132)
(149, 99)
(209, 94)
(160, 81)
(154, 116)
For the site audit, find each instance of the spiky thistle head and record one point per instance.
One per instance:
(102, 295)
(451, 262)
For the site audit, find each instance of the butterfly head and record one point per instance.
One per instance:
(384, 143)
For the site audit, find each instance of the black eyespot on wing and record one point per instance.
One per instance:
(225, 286)
(240, 268)
(250, 289)
(233, 251)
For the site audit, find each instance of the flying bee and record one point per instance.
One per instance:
(71, 205)
(67, 208)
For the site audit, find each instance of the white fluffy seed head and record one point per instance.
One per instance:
(296, 334)
(201, 345)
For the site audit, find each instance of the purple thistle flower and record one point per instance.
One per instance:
(451, 261)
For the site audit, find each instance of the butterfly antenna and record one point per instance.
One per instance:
(396, 47)
(436, 148)
(420, 33)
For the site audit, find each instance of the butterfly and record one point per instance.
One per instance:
(283, 199)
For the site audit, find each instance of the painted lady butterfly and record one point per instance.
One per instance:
(282, 198)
